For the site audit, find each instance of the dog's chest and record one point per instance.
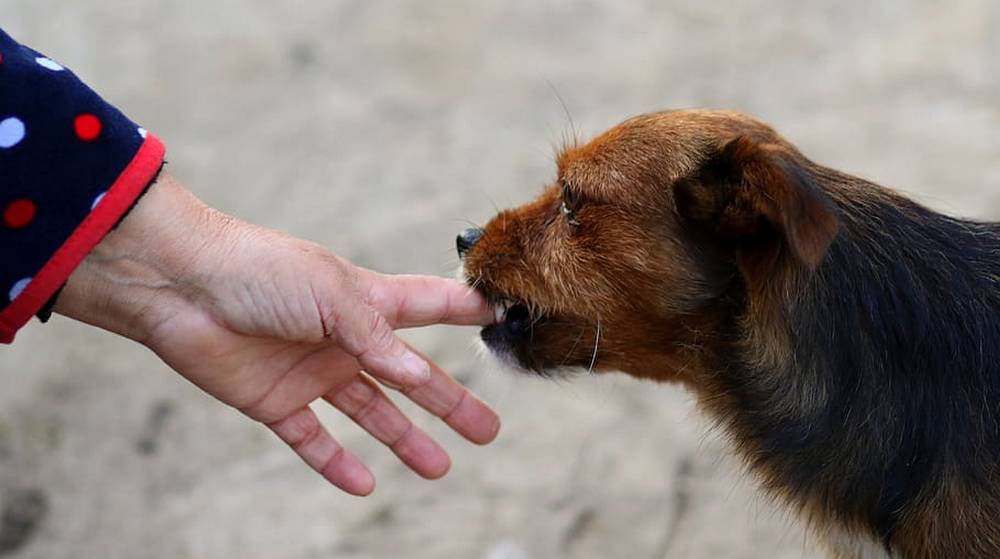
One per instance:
(844, 545)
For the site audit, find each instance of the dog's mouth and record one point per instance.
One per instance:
(532, 339)
(511, 335)
(513, 320)
(512, 316)
(509, 311)
(520, 330)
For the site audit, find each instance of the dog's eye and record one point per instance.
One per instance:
(568, 213)
(570, 203)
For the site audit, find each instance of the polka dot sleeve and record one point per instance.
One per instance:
(71, 166)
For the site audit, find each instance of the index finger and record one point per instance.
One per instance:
(407, 301)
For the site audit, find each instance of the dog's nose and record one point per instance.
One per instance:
(467, 239)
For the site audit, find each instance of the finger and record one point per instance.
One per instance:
(456, 405)
(366, 335)
(313, 443)
(364, 402)
(408, 301)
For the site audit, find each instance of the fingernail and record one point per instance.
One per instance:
(417, 370)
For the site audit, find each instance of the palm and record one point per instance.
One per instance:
(237, 369)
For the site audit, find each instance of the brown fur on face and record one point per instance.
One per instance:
(628, 262)
(847, 338)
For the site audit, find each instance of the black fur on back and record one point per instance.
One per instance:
(894, 382)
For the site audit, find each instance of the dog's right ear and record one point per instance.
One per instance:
(756, 199)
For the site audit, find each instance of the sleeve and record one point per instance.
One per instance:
(71, 166)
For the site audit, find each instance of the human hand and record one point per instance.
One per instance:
(268, 323)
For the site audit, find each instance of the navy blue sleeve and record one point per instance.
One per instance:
(70, 166)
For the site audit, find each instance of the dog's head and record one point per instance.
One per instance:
(648, 233)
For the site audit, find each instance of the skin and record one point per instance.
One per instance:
(269, 324)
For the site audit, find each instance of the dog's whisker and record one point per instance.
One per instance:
(597, 342)
(477, 281)
(569, 117)
(496, 208)
(470, 223)
(573, 348)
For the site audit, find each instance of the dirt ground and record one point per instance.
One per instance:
(378, 129)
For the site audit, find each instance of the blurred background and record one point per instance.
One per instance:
(379, 129)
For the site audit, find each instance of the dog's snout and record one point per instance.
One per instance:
(467, 239)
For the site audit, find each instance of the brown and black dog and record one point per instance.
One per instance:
(845, 337)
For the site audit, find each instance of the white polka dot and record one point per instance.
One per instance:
(18, 288)
(11, 132)
(97, 200)
(48, 63)
(142, 132)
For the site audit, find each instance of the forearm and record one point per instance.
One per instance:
(140, 273)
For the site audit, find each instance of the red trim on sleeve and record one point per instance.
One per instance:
(119, 198)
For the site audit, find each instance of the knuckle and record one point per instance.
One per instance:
(332, 463)
(374, 295)
(367, 407)
(381, 338)
(406, 432)
(450, 413)
(310, 434)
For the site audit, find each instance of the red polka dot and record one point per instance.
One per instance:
(19, 213)
(87, 127)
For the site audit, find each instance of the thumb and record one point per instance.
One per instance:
(365, 333)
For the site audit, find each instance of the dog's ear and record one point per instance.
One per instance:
(751, 196)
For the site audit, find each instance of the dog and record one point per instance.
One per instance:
(846, 338)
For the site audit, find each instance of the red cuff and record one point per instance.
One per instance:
(119, 198)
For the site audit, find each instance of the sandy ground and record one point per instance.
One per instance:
(378, 129)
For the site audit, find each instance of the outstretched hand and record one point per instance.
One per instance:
(268, 324)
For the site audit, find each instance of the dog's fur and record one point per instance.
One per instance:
(846, 338)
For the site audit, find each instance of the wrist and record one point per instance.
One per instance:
(139, 274)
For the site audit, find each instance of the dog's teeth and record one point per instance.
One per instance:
(500, 309)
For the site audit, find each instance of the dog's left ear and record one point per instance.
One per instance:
(752, 195)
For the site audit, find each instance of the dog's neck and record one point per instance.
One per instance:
(870, 365)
